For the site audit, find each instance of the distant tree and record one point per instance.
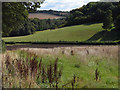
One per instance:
(27, 28)
(98, 15)
(36, 21)
(108, 20)
(117, 22)
(77, 14)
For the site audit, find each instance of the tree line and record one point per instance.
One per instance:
(54, 12)
(32, 25)
(107, 13)
(16, 21)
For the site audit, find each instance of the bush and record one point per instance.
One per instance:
(77, 65)
(3, 46)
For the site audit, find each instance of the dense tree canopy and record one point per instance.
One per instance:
(117, 22)
(14, 14)
(117, 15)
(32, 25)
(108, 20)
(93, 12)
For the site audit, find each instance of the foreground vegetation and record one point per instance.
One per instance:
(29, 71)
(25, 69)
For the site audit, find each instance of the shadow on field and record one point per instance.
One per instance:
(105, 35)
(86, 24)
(89, 24)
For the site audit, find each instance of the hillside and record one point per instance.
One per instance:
(73, 33)
(44, 16)
(53, 12)
(93, 12)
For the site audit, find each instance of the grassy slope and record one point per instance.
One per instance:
(73, 33)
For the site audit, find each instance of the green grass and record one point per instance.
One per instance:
(72, 33)
(107, 67)
(86, 71)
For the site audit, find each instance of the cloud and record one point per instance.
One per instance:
(64, 5)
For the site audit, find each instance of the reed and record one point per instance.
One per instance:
(96, 74)
(72, 52)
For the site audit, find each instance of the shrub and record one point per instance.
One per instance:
(77, 65)
(3, 46)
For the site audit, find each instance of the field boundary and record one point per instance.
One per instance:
(69, 43)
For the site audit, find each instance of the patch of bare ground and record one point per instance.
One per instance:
(44, 16)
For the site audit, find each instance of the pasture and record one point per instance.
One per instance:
(61, 66)
(72, 33)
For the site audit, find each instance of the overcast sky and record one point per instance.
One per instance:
(64, 5)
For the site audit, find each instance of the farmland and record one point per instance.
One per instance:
(60, 49)
(44, 16)
(83, 62)
(72, 33)
(61, 66)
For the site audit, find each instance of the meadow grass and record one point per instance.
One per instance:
(71, 33)
(84, 70)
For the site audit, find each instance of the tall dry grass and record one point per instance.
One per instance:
(24, 70)
(81, 51)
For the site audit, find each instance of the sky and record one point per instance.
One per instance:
(63, 5)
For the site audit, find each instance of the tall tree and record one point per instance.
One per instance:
(15, 13)
(117, 22)
(108, 20)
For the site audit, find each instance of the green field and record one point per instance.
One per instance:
(72, 33)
